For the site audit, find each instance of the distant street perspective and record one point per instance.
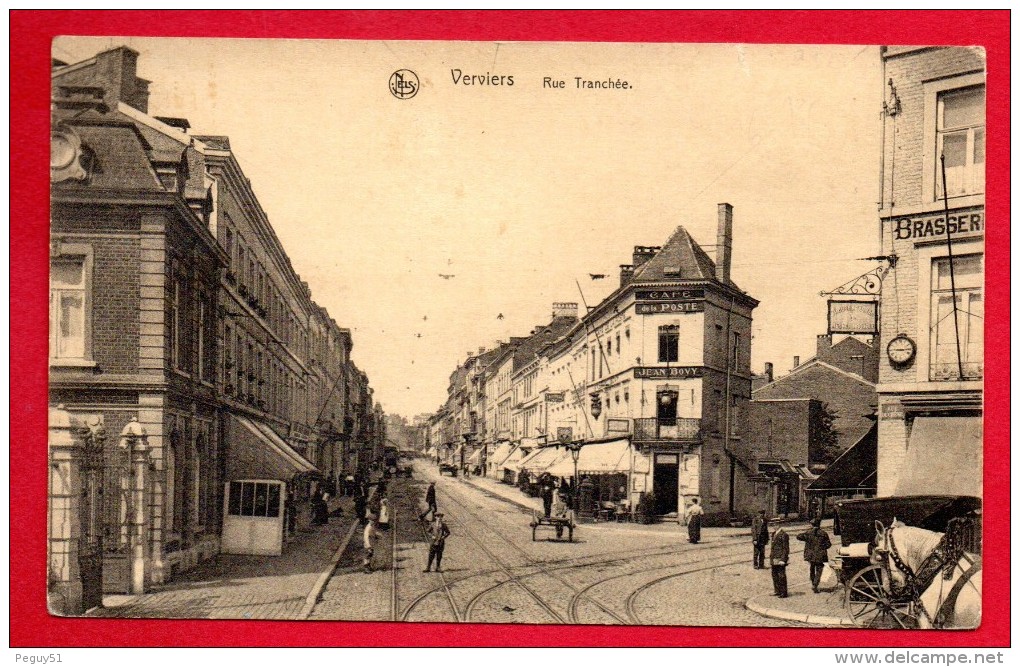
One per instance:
(418, 344)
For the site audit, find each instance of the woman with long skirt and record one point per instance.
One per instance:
(694, 514)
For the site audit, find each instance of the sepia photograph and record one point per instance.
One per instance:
(500, 332)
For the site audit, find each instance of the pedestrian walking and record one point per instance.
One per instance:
(430, 502)
(816, 550)
(384, 514)
(779, 556)
(759, 538)
(360, 503)
(694, 514)
(369, 537)
(438, 532)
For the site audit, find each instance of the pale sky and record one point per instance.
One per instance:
(518, 191)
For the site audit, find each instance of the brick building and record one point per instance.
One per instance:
(174, 304)
(932, 230)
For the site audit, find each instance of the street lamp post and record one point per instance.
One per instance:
(575, 453)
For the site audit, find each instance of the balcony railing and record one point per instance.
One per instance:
(652, 428)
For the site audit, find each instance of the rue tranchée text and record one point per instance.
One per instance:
(581, 82)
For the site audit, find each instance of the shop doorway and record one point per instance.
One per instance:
(665, 481)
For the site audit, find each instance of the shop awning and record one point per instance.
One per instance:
(501, 454)
(854, 470)
(430, 452)
(597, 458)
(542, 458)
(513, 462)
(475, 458)
(944, 456)
(255, 451)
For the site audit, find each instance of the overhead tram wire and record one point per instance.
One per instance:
(584, 412)
(590, 326)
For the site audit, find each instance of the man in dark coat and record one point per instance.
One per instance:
(438, 532)
(816, 550)
(779, 556)
(547, 494)
(759, 538)
(430, 502)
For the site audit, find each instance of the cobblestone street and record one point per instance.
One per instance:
(494, 573)
(242, 587)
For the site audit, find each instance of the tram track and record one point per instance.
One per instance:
(445, 587)
(632, 598)
(514, 576)
(579, 595)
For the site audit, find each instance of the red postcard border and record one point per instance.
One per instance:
(31, 33)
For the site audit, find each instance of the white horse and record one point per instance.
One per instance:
(944, 603)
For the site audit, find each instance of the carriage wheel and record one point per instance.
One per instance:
(870, 605)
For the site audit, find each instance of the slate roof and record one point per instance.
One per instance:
(680, 253)
(121, 160)
(533, 345)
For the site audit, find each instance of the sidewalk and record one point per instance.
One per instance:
(822, 608)
(244, 587)
(515, 496)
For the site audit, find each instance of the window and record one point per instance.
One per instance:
(734, 414)
(960, 136)
(261, 499)
(68, 309)
(669, 343)
(228, 243)
(204, 338)
(735, 352)
(176, 294)
(969, 319)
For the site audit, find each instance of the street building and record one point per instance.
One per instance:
(650, 388)
(932, 217)
(806, 419)
(187, 358)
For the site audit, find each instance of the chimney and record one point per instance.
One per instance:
(724, 244)
(626, 273)
(796, 361)
(481, 350)
(823, 346)
(768, 372)
(564, 309)
(643, 253)
(118, 69)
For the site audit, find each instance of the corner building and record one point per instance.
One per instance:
(664, 363)
(931, 370)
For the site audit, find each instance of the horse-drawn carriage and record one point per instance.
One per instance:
(910, 561)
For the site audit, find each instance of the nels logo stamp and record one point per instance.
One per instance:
(404, 84)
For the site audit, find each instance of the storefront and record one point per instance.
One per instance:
(604, 469)
(267, 489)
